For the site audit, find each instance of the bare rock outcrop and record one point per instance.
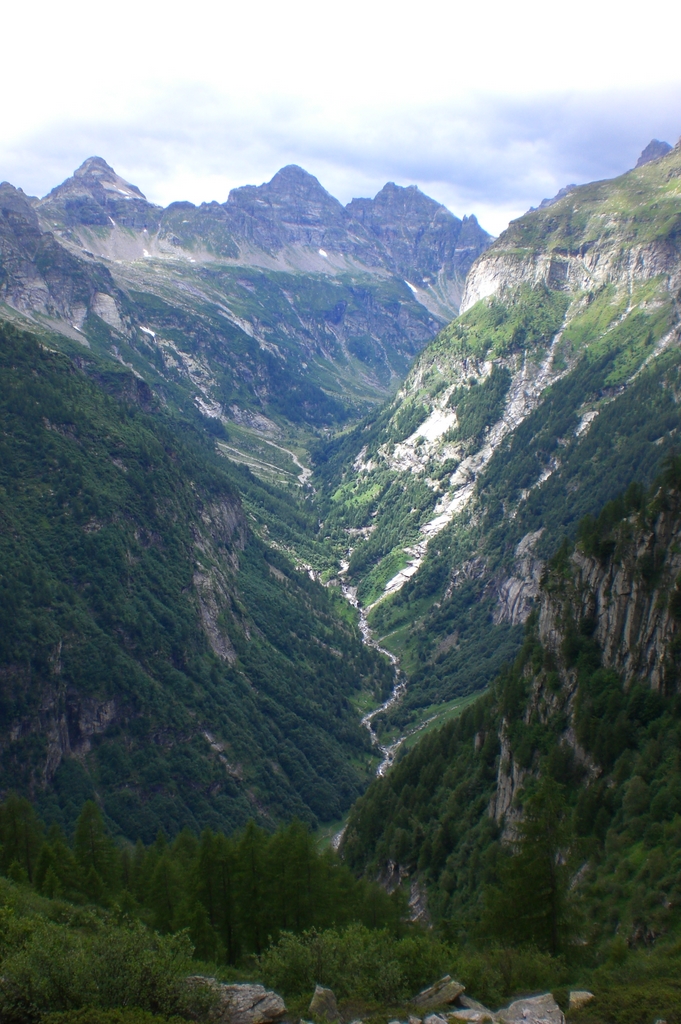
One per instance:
(442, 993)
(536, 1010)
(626, 600)
(323, 1004)
(242, 1004)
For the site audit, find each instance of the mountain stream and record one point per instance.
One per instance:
(398, 691)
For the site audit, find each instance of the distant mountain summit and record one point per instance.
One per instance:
(653, 151)
(282, 301)
(422, 239)
(96, 195)
(291, 209)
(291, 218)
(400, 229)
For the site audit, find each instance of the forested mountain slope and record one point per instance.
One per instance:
(549, 811)
(152, 648)
(279, 310)
(556, 386)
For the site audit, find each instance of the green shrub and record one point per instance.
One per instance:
(96, 1015)
(59, 969)
(355, 963)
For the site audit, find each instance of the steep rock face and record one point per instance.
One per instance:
(653, 151)
(37, 274)
(423, 241)
(98, 197)
(626, 601)
(536, 405)
(592, 235)
(222, 536)
(291, 209)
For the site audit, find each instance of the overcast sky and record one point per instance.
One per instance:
(488, 106)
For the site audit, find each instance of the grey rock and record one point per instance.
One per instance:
(653, 151)
(560, 194)
(580, 998)
(323, 1004)
(471, 1010)
(434, 1018)
(442, 993)
(95, 195)
(414, 1020)
(471, 1004)
(537, 1010)
(243, 1004)
(470, 1016)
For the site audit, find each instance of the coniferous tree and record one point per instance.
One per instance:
(252, 880)
(94, 851)
(165, 893)
(530, 904)
(57, 862)
(225, 891)
(21, 836)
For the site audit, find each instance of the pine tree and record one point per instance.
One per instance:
(164, 894)
(94, 851)
(252, 886)
(531, 903)
(225, 892)
(21, 837)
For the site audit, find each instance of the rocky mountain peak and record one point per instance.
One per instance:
(290, 186)
(292, 208)
(396, 203)
(294, 177)
(421, 238)
(97, 177)
(96, 195)
(653, 151)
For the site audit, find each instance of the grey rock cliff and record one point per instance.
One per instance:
(653, 151)
(37, 273)
(626, 599)
(96, 196)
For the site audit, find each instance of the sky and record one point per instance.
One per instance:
(487, 106)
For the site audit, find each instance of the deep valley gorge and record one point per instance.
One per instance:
(340, 605)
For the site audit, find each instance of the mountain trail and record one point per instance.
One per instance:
(305, 473)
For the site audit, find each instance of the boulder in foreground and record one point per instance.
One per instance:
(323, 1004)
(578, 999)
(442, 993)
(536, 1010)
(243, 1004)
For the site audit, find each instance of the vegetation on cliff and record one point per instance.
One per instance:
(561, 753)
(145, 628)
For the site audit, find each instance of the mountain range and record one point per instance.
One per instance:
(177, 637)
(279, 308)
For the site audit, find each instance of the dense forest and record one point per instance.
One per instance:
(146, 626)
(233, 895)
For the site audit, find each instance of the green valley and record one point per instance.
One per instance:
(340, 606)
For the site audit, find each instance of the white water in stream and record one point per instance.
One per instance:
(398, 691)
